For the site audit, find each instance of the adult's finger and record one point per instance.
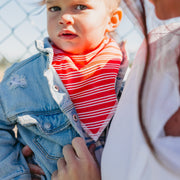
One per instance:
(34, 169)
(69, 154)
(92, 149)
(54, 175)
(59, 174)
(61, 163)
(26, 150)
(80, 148)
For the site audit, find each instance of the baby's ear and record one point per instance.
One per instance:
(115, 20)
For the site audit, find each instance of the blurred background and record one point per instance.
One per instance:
(22, 22)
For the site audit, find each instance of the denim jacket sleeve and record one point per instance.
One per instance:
(12, 163)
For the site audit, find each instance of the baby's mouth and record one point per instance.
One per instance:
(67, 35)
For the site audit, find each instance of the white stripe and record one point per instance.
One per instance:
(95, 90)
(94, 116)
(93, 68)
(93, 123)
(94, 78)
(79, 85)
(98, 112)
(93, 127)
(98, 99)
(84, 105)
(64, 67)
(78, 75)
(93, 83)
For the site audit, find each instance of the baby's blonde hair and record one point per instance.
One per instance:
(42, 2)
(115, 3)
(112, 3)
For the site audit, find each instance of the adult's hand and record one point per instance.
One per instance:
(35, 170)
(77, 164)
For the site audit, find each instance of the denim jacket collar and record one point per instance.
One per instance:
(45, 48)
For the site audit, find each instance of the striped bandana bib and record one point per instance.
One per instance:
(90, 82)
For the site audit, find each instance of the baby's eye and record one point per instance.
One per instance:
(81, 7)
(55, 8)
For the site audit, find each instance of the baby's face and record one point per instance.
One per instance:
(77, 26)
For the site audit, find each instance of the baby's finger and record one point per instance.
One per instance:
(61, 164)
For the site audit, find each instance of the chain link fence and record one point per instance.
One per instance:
(22, 22)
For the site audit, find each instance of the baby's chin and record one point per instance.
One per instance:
(77, 51)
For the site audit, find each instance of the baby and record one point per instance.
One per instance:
(70, 88)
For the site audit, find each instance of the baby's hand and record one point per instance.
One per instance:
(34, 169)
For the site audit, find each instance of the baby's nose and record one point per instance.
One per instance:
(66, 19)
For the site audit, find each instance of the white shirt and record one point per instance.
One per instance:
(126, 155)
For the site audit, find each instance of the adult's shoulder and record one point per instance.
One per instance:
(166, 30)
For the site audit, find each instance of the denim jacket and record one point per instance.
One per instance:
(33, 97)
